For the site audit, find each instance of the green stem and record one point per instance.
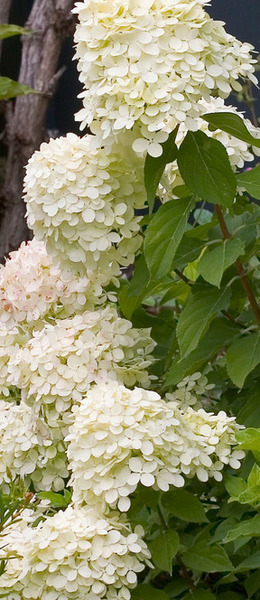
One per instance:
(162, 519)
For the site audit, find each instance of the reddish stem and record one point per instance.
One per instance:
(239, 267)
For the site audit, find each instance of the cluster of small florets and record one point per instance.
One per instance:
(81, 201)
(33, 288)
(193, 391)
(28, 450)
(122, 437)
(18, 439)
(13, 545)
(148, 62)
(78, 553)
(10, 343)
(60, 362)
(238, 151)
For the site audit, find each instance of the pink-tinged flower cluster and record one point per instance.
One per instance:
(33, 288)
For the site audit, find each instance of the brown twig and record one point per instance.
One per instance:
(184, 573)
(239, 267)
(233, 320)
(183, 277)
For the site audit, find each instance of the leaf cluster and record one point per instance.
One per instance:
(197, 285)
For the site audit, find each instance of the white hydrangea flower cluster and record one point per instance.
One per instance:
(28, 450)
(238, 151)
(60, 362)
(82, 200)
(191, 391)
(10, 343)
(79, 553)
(13, 544)
(148, 61)
(18, 440)
(122, 437)
(32, 287)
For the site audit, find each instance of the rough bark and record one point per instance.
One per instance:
(5, 6)
(51, 20)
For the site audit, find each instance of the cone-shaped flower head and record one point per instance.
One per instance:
(81, 202)
(33, 288)
(79, 553)
(149, 61)
(122, 437)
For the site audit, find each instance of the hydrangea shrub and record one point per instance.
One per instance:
(129, 328)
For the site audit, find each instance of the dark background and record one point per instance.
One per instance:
(242, 19)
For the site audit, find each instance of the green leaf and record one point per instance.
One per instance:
(129, 303)
(164, 548)
(219, 334)
(7, 31)
(223, 528)
(254, 476)
(147, 592)
(181, 191)
(249, 439)
(249, 413)
(250, 181)
(154, 167)
(202, 306)
(214, 262)
(179, 290)
(206, 558)
(252, 583)
(199, 595)
(176, 587)
(205, 168)
(148, 497)
(200, 232)
(164, 234)
(188, 250)
(140, 279)
(141, 286)
(235, 485)
(134, 291)
(250, 496)
(191, 271)
(242, 357)
(232, 124)
(230, 596)
(11, 89)
(185, 506)
(56, 500)
(248, 528)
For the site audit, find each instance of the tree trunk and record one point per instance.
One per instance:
(5, 6)
(51, 20)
